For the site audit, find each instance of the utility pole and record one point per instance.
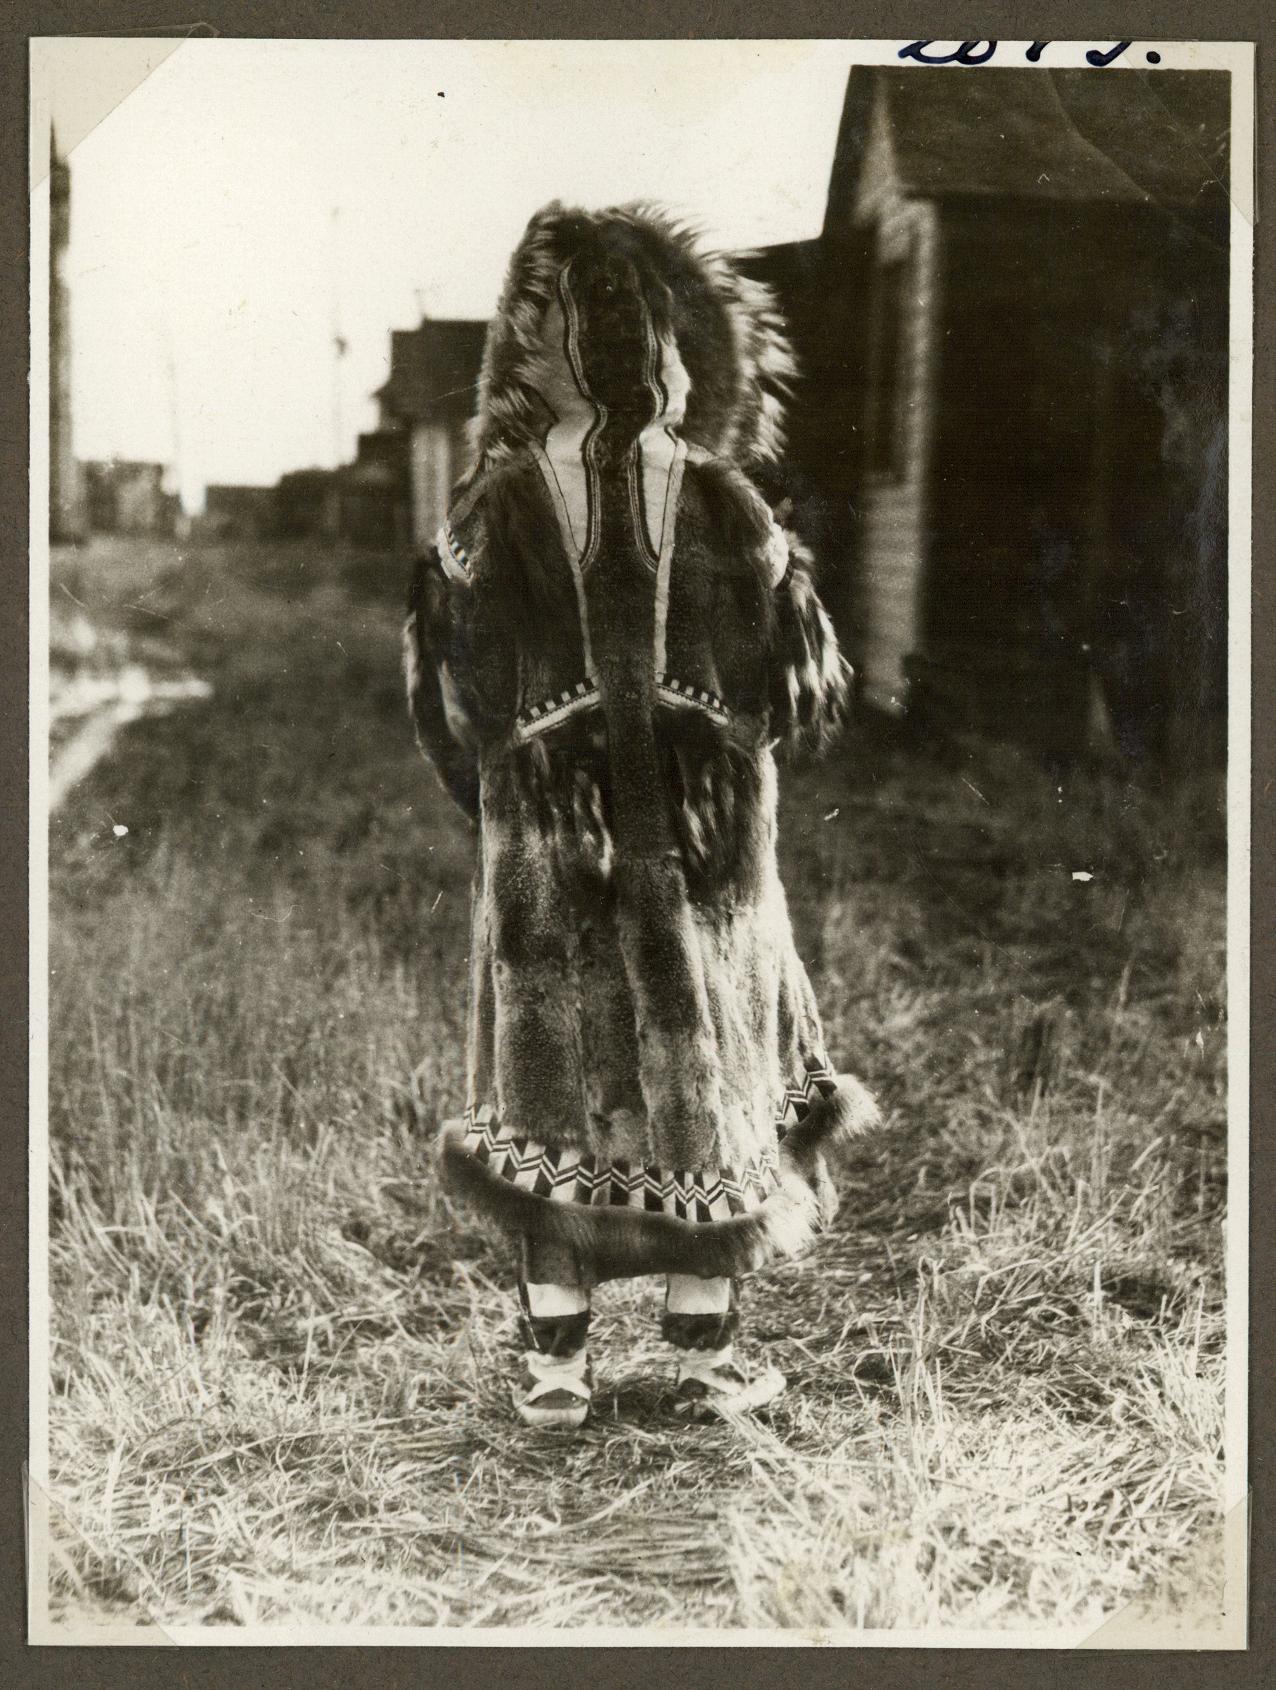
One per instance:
(174, 410)
(339, 343)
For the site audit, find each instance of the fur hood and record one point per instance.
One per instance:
(620, 334)
(723, 328)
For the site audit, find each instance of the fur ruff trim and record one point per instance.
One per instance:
(439, 718)
(620, 1243)
(728, 329)
(811, 680)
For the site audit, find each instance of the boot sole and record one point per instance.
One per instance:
(758, 1393)
(561, 1419)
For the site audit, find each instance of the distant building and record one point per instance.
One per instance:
(67, 515)
(235, 511)
(305, 504)
(129, 497)
(374, 492)
(1011, 435)
(429, 398)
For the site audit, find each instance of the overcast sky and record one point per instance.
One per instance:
(203, 232)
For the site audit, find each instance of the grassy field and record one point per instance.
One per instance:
(277, 1359)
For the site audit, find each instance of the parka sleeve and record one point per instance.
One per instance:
(809, 679)
(436, 669)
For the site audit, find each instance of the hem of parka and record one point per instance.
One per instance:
(621, 1243)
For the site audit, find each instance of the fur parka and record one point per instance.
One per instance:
(606, 646)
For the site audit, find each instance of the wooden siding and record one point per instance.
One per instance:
(892, 560)
(436, 461)
(1012, 499)
(1052, 509)
(823, 299)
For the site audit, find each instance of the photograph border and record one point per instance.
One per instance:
(266, 21)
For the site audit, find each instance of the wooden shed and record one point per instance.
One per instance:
(234, 511)
(430, 396)
(305, 504)
(1011, 436)
(126, 496)
(374, 492)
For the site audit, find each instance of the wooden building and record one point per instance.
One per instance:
(429, 398)
(305, 504)
(375, 502)
(68, 514)
(130, 496)
(1010, 439)
(234, 511)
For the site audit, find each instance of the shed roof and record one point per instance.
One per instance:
(434, 370)
(231, 491)
(786, 266)
(1121, 136)
(1169, 130)
(118, 468)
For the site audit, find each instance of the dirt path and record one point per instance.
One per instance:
(107, 703)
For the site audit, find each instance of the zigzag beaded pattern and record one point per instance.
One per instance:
(549, 712)
(818, 1082)
(564, 1174)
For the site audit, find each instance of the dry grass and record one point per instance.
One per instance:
(278, 1363)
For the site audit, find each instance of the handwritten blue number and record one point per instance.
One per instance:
(965, 54)
(1095, 57)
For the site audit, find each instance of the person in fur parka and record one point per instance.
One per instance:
(606, 645)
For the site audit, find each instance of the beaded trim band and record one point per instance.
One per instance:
(564, 1174)
(567, 1175)
(536, 719)
(818, 1082)
(452, 554)
(673, 691)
